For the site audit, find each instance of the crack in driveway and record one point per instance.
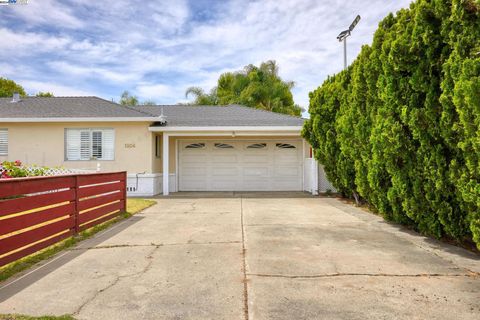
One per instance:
(117, 280)
(113, 246)
(331, 275)
(244, 266)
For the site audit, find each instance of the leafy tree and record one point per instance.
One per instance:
(257, 87)
(127, 99)
(401, 126)
(9, 87)
(202, 98)
(148, 103)
(44, 94)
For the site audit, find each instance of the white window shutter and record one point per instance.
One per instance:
(85, 145)
(89, 144)
(3, 142)
(72, 144)
(108, 144)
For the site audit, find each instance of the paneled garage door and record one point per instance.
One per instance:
(208, 165)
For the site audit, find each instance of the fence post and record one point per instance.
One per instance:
(77, 205)
(125, 191)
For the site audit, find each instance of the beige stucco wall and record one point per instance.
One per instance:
(43, 144)
(158, 162)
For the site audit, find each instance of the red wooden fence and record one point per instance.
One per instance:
(38, 212)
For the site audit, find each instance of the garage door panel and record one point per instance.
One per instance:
(194, 171)
(255, 172)
(255, 158)
(224, 158)
(194, 158)
(286, 162)
(224, 185)
(255, 185)
(236, 167)
(287, 171)
(230, 172)
(285, 155)
(286, 186)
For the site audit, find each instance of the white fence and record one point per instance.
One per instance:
(324, 186)
(315, 179)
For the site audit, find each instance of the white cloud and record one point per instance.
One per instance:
(156, 49)
(157, 92)
(20, 44)
(92, 72)
(33, 87)
(49, 12)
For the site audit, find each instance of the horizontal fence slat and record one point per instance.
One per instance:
(25, 238)
(36, 247)
(99, 221)
(41, 200)
(97, 201)
(97, 213)
(100, 189)
(104, 188)
(100, 178)
(16, 187)
(31, 219)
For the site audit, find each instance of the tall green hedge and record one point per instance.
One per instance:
(400, 128)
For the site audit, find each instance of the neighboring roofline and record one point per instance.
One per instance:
(83, 119)
(225, 128)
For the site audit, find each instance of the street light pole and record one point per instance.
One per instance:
(343, 37)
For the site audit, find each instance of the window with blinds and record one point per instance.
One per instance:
(3, 142)
(89, 144)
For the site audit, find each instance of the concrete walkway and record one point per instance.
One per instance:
(252, 258)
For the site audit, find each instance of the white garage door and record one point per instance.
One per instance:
(208, 165)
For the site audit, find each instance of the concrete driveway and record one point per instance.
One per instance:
(252, 257)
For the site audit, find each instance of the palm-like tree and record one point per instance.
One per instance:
(201, 97)
(256, 87)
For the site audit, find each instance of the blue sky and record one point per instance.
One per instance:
(157, 49)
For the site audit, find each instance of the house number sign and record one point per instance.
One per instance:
(129, 145)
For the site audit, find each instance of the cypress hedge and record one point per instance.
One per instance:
(400, 128)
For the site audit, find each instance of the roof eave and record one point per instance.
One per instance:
(81, 119)
(228, 129)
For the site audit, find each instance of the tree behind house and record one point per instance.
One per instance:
(9, 87)
(257, 87)
(127, 99)
(44, 94)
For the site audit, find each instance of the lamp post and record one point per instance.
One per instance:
(343, 37)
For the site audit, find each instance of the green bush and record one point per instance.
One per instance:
(401, 126)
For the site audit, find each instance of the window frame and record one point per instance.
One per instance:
(91, 132)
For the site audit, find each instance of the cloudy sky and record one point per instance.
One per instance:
(157, 49)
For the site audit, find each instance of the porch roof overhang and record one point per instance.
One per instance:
(229, 130)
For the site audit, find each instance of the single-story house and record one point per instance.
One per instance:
(203, 148)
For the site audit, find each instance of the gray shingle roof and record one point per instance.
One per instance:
(177, 115)
(231, 115)
(65, 107)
